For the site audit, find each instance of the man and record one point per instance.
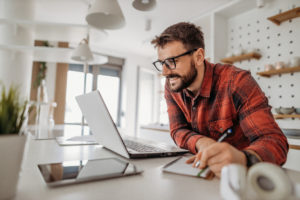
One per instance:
(205, 100)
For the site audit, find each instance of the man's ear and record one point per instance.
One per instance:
(199, 56)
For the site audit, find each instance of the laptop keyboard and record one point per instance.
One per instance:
(136, 146)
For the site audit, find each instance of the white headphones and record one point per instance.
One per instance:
(263, 181)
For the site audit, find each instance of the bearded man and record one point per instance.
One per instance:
(205, 100)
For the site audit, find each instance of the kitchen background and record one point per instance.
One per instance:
(238, 28)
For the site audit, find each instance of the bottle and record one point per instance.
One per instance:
(42, 112)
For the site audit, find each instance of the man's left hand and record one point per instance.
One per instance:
(217, 155)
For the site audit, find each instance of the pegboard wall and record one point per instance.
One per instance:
(251, 30)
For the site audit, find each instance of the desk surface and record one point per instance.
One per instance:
(151, 184)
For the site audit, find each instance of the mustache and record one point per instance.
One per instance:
(173, 75)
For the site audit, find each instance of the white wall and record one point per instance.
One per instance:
(129, 87)
(15, 66)
(252, 30)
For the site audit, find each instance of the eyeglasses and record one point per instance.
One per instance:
(170, 62)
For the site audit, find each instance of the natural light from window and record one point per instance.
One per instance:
(109, 89)
(75, 83)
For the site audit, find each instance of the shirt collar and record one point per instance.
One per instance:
(206, 85)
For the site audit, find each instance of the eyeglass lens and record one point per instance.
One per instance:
(170, 63)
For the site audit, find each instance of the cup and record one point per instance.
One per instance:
(287, 110)
(237, 52)
(279, 65)
(243, 51)
(253, 50)
(295, 61)
(229, 54)
(260, 3)
(277, 110)
(268, 67)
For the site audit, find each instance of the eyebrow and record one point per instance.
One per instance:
(166, 58)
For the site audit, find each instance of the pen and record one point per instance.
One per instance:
(227, 132)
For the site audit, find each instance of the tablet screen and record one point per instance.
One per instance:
(69, 172)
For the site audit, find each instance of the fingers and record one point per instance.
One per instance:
(210, 152)
(194, 159)
(190, 160)
(197, 159)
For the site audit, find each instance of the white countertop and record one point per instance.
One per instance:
(151, 184)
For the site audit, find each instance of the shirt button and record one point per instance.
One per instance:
(194, 108)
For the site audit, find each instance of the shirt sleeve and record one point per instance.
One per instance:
(257, 121)
(180, 129)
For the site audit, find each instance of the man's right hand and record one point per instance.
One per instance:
(203, 143)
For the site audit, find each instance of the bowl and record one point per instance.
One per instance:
(279, 65)
(277, 110)
(287, 110)
(297, 110)
(269, 67)
(229, 54)
(292, 133)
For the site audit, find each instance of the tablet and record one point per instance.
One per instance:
(71, 172)
(77, 140)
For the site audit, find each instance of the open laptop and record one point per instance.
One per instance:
(106, 133)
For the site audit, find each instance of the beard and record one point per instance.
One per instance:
(182, 81)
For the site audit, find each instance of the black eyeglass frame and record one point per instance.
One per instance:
(172, 59)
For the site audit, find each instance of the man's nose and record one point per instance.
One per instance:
(165, 70)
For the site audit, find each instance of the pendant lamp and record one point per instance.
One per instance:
(105, 14)
(82, 53)
(144, 5)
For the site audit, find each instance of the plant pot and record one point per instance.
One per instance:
(11, 154)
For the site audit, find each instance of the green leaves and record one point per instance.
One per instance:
(12, 111)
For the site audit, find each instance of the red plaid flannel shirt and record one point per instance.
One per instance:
(228, 98)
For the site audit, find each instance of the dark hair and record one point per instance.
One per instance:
(190, 35)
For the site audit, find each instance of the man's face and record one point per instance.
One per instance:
(185, 72)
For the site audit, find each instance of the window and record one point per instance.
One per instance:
(163, 113)
(75, 84)
(109, 86)
(147, 98)
(105, 78)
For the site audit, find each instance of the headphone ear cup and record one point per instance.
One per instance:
(233, 182)
(269, 181)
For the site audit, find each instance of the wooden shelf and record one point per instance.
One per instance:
(290, 14)
(279, 71)
(247, 56)
(282, 116)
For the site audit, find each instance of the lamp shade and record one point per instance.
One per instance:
(82, 53)
(105, 14)
(144, 5)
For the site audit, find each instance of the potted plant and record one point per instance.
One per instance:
(12, 140)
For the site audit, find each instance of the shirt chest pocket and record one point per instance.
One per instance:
(218, 127)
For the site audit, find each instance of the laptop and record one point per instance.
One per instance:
(106, 133)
